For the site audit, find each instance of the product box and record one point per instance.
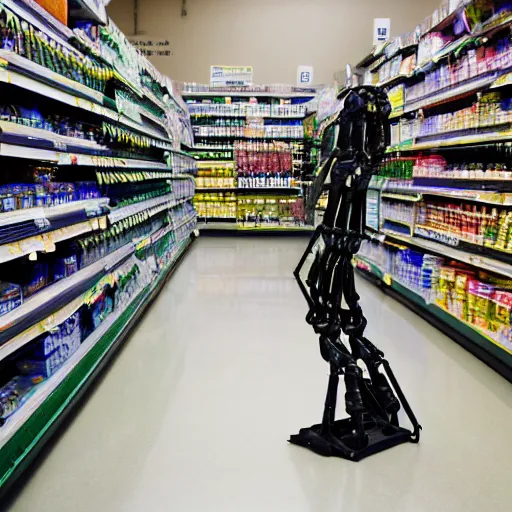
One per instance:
(10, 297)
(52, 350)
(480, 303)
(501, 322)
(57, 8)
(13, 394)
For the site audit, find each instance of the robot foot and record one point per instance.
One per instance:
(339, 442)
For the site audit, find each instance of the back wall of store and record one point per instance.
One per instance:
(273, 36)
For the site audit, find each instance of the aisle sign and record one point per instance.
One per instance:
(381, 30)
(231, 75)
(304, 76)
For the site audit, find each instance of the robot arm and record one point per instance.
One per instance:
(326, 277)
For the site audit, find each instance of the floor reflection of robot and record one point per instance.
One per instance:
(356, 140)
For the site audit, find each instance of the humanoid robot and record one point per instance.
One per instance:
(354, 145)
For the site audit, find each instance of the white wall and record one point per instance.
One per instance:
(274, 36)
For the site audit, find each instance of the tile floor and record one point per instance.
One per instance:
(195, 412)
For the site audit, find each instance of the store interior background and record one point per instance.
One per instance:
(273, 36)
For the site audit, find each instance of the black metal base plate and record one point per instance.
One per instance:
(333, 446)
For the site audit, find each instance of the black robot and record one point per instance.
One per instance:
(354, 144)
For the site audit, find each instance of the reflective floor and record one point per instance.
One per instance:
(195, 412)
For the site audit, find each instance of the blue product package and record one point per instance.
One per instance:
(52, 350)
(8, 203)
(64, 267)
(10, 297)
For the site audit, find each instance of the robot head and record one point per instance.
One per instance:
(364, 123)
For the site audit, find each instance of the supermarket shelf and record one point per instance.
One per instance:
(237, 116)
(289, 190)
(33, 13)
(243, 136)
(202, 164)
(210, 148)
(39, 73)
(64, 158)
(380, 52)
(231, 226)
(473, 340)
(203, 190)
(451, 93)
(159, 103)
(18, 327)
(209, 94)
(265, 190)
(480, 261)
(394, 80)
(181, 153)
(153, 118)
(24, 434)
(213, 220)
(45, 242)
(188, 219)
(493, 252)
(24, 73)
(448, 20)
(479, 33)
(99, 161)
(463, 140)
(402, 197)
(86, 208)
(395, 221)
(420, 184)
(376, 53)
(156, 205)
(487, 197)
(480, 131)
(17, 134)
(171, 227)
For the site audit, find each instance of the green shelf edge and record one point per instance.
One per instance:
(448, 323)
(19, 452)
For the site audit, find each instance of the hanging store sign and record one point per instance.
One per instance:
(231, 75)
(304, 76)
(381, 30)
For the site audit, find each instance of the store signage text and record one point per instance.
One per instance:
(153, 47)
(231, 75)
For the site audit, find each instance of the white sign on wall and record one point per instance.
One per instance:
(304, 76)
(381, 30)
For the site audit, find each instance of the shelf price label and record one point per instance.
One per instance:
(387, 279)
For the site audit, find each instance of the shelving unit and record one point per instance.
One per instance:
(95, 211)
(440, 207)
(235, 133)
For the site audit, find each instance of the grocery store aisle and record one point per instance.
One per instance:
(195, 412)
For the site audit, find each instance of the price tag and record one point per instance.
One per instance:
(48, 244)
(59, 145)
(65, 159)
(143, 243)
(49, 323)
(387, 279)
(27, 246)
(14, 249)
